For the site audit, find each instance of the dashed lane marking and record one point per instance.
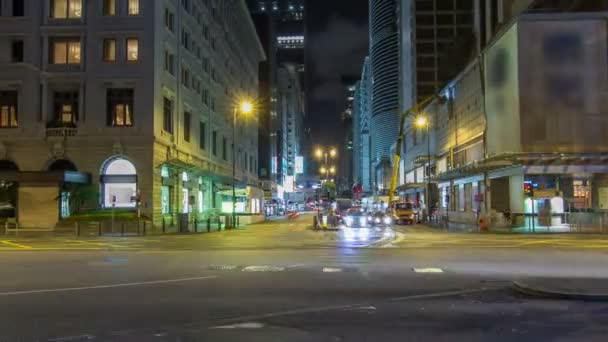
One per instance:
(332, 270)
(428, 270)
(263, 269)
(15, 244)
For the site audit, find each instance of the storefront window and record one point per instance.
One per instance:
(119, 180)
(165, 200)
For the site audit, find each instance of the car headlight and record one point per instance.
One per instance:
(387, 220)
(348, 220)
(363, 221)
(369, 218)
(377, 220)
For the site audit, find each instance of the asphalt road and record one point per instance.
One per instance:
(284, 282)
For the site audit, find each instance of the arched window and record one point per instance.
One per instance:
(119, 183)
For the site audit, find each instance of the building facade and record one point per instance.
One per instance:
(520, 129)
(133, 97)
(287, 20)
(290, 99)
(384, 63)
(361, 130)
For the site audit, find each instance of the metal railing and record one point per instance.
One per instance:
(61, 132)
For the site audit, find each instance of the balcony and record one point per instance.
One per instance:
(61, 130)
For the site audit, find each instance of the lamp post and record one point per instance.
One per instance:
(246, 108)
(324, 155)
(423, 122)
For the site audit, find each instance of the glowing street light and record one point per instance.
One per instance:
(246, 108)
(323, 170)
(332, 170)
(422, 122)
(333, 152)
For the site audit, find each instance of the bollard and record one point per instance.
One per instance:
(99, 232)
(219, 224)
(238, 219)
(144, 231)
(208, 224)
(195, 224)
(77, 226)
(122, 229)
(163, 225)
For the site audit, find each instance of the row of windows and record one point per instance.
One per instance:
(168, 106)
(69, 50)
(119, 107)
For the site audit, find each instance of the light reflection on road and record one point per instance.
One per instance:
(364, 237)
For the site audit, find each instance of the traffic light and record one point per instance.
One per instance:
(528, 189)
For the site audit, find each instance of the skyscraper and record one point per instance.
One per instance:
(286, 66)
(384, 61)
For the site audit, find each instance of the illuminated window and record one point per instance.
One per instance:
(109, 50)
(119, 179)
(66, 9)
(132, 49)
(8, 109)
(133, 8)
(109, 7)
(65, 107)
(65, 51)
(120, 107)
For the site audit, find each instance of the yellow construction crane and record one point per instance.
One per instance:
(397, 156)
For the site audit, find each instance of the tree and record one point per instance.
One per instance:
(82, 196)
(329, 189)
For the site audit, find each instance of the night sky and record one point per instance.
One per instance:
(337, 44)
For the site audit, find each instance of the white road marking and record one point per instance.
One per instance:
(83, 288)
(263, 269)
(332, 270)
(246, 325)
(428, 270)
(72, 338)
(438, 294)
(341, 307)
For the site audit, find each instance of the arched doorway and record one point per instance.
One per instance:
(62, 165)
(119, 183)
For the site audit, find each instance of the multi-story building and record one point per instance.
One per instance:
(291, 111)
(519, 129)
(134, 97)
(384, 62)
(361, 130)
(432, 31)
(283, 25)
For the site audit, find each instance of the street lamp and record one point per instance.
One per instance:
(324, 154)
(246, 108)
(423, 122)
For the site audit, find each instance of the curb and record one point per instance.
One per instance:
(528, 290)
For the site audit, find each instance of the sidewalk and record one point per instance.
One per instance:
(588, 289)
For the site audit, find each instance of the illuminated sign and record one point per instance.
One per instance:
(299, 165)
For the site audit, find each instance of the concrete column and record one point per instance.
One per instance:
(44, 98)
(488, 20)
(477, 24)
(516, 193)
(500, 11)
(81, 102)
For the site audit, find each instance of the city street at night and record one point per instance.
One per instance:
(282, 281)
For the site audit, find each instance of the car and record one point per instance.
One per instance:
(379, 219)
(404, 212)
(355, 217)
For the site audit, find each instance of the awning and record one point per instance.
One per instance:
(410, 186)
(190, 168)
(46, 177)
